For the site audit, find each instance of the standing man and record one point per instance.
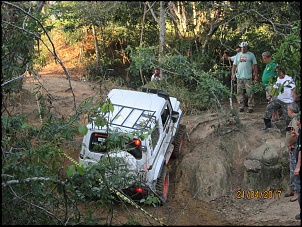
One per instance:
(297, 171)
(244, 68)
(238, 49)
(156, 75)
(291, 142)
(269, 75)
(227, 57)
(287, 94)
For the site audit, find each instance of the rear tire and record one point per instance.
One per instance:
(162, 185)
(178, 141)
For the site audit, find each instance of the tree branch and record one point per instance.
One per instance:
(152, 11)
(34, 205)
(10, 182)
(16, 78)
(53, 52)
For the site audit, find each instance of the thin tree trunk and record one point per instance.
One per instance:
(141, 41)
(162, 32)
(97, 52)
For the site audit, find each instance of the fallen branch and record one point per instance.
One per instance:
(10, 182)
(16, 78)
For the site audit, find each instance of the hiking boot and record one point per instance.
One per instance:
(268, 124)
(289, 193)
(294, 198)
(241, 110)
(275, 120)
(298, 217)
(250, 111)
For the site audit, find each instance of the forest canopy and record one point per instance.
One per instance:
(185, 39)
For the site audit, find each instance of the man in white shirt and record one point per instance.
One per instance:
(238, 49)
(285, 88)
(156, 75)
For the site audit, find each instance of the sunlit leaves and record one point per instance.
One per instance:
(83, 129)
(70, 170)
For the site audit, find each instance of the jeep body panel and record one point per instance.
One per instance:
(135, 110)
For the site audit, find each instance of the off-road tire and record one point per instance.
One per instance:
(178, 141)
(162, 185)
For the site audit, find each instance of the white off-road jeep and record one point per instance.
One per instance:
(150, 109)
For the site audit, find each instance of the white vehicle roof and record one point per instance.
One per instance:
(134, 109)
(136, 99)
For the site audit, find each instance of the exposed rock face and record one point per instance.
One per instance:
(244, 158)
(207, 181)
(265, 165)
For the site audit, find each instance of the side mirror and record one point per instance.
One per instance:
(144, 149)
(174, 116)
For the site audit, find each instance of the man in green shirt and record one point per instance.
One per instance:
(269, 75)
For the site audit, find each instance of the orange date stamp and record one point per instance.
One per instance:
(257, 194)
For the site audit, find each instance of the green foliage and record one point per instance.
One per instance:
(19, 37)
(179, 72)
(39, 184)
(28, 155)
(151, 200)
(143, 58)
(213, 91)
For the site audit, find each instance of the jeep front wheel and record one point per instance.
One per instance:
(178, 141)
(162, 185)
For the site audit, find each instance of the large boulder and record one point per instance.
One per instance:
(226, 161)
(208, 181)
(265, 166)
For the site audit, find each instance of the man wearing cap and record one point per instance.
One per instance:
(244, 69)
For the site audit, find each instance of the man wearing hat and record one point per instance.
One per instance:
(244, 70)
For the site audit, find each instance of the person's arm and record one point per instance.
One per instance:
(292, 138)
(233, 72)
(152, 77)
(298, 165)
(294, 94)
(255, 72)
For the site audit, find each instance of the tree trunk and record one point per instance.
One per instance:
(97, 52)
(162, 33)
(141, 41)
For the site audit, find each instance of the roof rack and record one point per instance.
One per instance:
(159, 92)
(134, 118)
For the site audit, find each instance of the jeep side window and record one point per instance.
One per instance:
(165, 116)
(155, 136)
(97, 142)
